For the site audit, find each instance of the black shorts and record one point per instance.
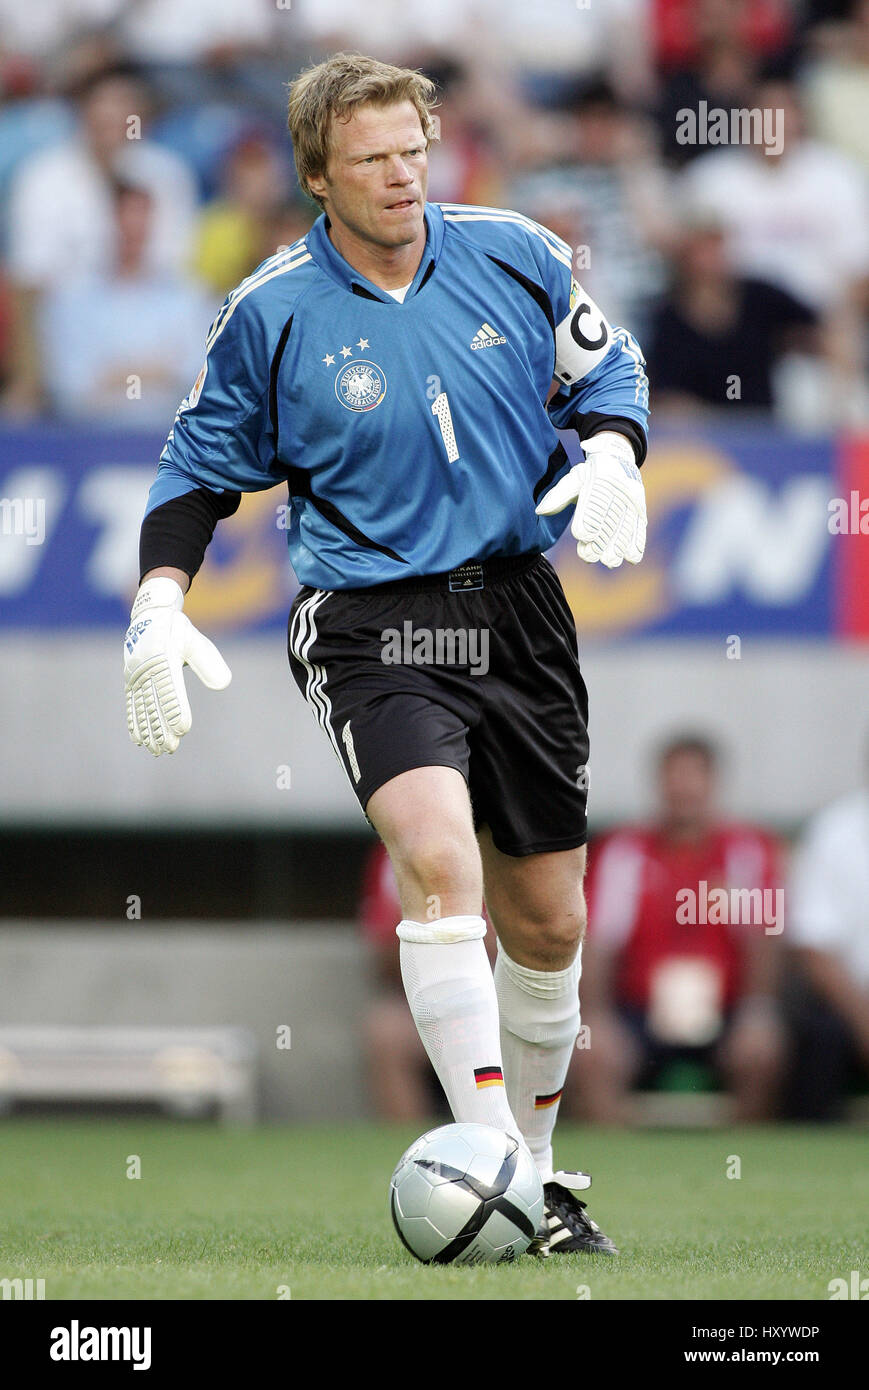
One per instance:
(476, 670)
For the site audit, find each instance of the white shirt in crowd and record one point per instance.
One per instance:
(169, 31)
(828, 900)
(546, 36)
(123, 350)
(62, 219)
(44, 28)
(800, 222)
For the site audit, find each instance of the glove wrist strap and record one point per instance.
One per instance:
(610, 442)
(160, 592)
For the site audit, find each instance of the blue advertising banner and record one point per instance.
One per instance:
(740, 539)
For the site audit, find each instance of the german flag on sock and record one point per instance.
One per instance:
(488, 1076)
(544, 1102)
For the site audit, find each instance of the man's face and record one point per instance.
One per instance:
(687, 789)
(377, 174)
(106, 111)
(703, 253)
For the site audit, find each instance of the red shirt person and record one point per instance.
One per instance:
(680, 960)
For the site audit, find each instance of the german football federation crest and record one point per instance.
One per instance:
(360, 385)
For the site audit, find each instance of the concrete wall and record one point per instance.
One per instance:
(312, 977)
(794, 715)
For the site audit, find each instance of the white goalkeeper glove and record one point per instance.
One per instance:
(158, 643)
(609, 523)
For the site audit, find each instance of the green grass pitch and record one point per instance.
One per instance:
(302, 1212)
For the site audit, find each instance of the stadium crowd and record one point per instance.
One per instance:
(145, 168)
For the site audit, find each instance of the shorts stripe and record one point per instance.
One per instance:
(301, 641)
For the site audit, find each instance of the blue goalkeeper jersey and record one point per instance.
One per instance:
(412, 436)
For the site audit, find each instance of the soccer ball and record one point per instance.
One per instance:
(466, 1194)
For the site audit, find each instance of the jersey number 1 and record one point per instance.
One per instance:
(440, 407)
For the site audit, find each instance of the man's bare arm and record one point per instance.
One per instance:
(829, 977)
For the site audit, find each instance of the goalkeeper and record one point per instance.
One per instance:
(402, 369)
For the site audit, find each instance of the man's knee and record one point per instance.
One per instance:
(537, 904)
(439, 862)
(551, 933)
(424, 817)
(559, 938)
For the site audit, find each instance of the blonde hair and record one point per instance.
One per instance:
(334, 89)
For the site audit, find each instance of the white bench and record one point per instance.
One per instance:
(185, 1070)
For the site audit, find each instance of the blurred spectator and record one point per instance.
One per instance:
(684, 30)
(715, 339)
(29, 122)
(402, 1081)
(837, 89)
(43, 30)
(659, 987)
(61, 217)
(233, 229)
(392, 30)
(128, 342)
(165, 31)
(713, 49)
(462, 163)
(545, 44)
(796, 211)
(828, 925)
(550, 44)
(797, 215)
(603, 189)
(206, 50)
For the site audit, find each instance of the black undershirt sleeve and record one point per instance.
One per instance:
(593, 422)
(178, 532)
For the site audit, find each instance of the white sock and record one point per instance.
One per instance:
(539, 1024)
(449, 987)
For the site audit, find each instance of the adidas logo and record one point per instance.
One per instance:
(486, 336)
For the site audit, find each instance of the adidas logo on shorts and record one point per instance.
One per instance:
(487, 336)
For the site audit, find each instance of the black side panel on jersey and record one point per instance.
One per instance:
(537, 292)
(557, 460)
(299, 482)
(178, 532)
(273, 378)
